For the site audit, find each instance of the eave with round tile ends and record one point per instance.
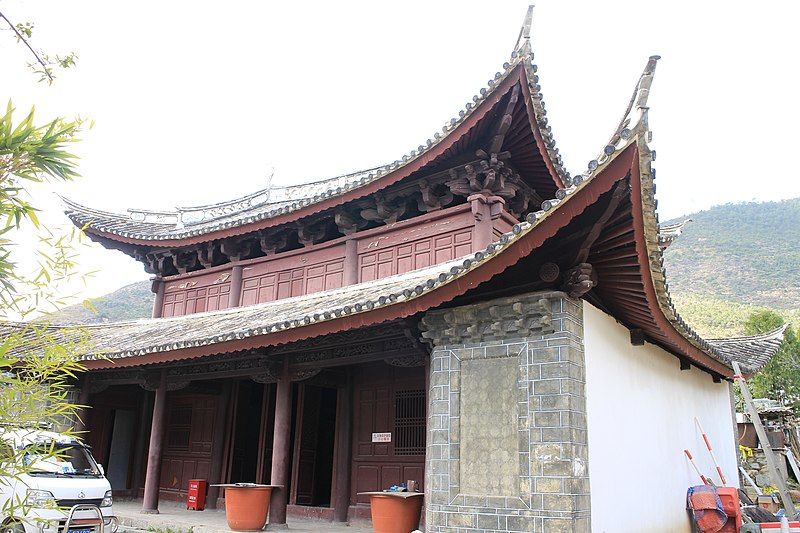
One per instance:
(274, 206)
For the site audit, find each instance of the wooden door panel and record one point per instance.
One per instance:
(189, 431)
(381, 400)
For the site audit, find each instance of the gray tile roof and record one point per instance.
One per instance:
(142, 337)
(754, 351)
(667, 233)
(273, 201)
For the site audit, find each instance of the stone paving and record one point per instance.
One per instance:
(174, 518)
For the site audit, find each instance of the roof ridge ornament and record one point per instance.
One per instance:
(525, 31)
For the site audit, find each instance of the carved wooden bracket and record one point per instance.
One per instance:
(236, 250)
(430, 201)
(348, 223)
(308, 234)
(490, 176)
(272, 243)
(386, 210)
(177, 385)
(579, 280)
(207, 254)
(267, 376)
(148, 260)
(184, 260)
(300, 374)
(406, 361)
(150, 381)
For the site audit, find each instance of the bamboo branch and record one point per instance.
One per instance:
(27, 44)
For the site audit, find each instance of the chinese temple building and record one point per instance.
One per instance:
(470, 316)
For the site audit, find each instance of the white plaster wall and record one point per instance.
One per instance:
(641, 409)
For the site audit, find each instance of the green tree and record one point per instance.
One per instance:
(780, 378)
(37, 367)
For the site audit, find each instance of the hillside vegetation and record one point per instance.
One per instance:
(130, 302)
(746, 253)
(731, 261)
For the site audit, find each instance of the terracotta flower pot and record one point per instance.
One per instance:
(392, 514)
(246, 508)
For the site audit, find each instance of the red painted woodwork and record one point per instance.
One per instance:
(305, 445)
(187, 444)
(156, 447)
(282, 436)
(294, 274)
(415, 244)
(197, 293)
(376, 466)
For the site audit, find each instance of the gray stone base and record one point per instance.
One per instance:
(507, 417)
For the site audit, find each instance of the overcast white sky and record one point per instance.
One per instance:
(194, 102)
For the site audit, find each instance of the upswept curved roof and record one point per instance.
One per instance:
(752, 351)
(625, 157)
(641, 302)
(270, 206)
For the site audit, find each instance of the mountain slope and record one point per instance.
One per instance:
(747, 253)
(126, 303)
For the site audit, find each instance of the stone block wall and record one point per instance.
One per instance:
(506, 447)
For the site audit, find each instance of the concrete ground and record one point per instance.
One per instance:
(174, 518)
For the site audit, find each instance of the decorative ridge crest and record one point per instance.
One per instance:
(152, 225)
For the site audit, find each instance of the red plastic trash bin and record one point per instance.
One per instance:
(196, 496)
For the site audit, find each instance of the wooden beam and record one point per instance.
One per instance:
(616, 197)
(637, 337)
(505, 122)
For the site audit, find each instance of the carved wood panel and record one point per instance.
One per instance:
(196, 294)
(268, 286)
(399, 258)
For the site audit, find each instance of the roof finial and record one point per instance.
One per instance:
(525, 31)
(645, 81)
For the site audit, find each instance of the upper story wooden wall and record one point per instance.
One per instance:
(433, 238)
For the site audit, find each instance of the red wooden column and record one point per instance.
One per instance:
(145, 421)
(280, 449)
(485, 209)
(153, 476)
(351, 261)
(221, 426)
(234, 297)
(344, 421)
(83, 412)
(158, 288)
